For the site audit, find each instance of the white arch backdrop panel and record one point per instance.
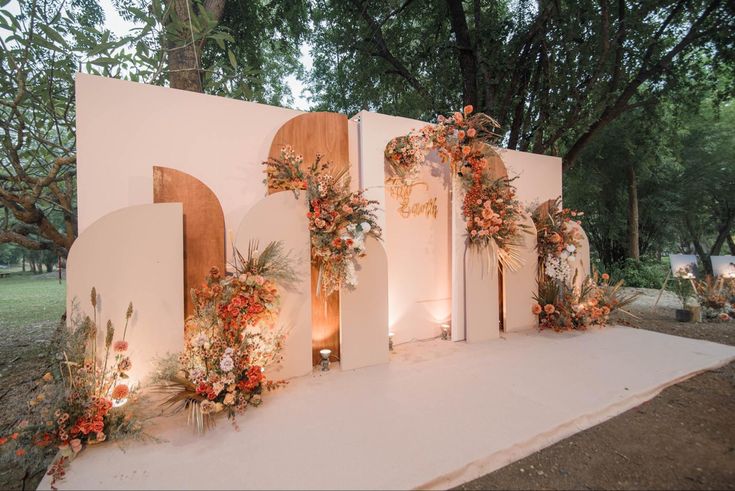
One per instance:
(134, 254)
(520, 285)
(281, 216)
(417, 245)
(364, 312)
(124, 128)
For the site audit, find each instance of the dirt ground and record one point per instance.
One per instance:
(24, 358)
(682, 439)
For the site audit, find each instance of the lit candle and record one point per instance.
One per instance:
(390, 340)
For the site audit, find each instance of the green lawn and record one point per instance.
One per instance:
(26, 299)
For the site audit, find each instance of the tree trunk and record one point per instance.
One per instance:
(633, 232)
(184, 56)
(466, 55)
(23, 262)
(731, 244)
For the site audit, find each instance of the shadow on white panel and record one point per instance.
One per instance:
(520, 285)
(482, 295)
(132, 255)
(364, 312)
(282, 217)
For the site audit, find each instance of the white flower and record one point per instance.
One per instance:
(557, 268)
(365, 226)
(226, 364)
(564, 254)
(350, 274)
(571, 248)
(200, 340)
(229, 351)
(571, 259)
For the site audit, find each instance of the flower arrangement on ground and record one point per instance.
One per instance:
(714, 297)
(82, 401)
(339, 220)
(557, 241)
(491, 212)
(561, 307)
(232, 338)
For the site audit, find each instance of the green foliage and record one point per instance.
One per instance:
(646, 273)
(683, 290)
(551, 73)
(29, 300)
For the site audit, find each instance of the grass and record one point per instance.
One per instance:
(26, 299)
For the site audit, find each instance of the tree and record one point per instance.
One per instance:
(706, 203)
(42, 49)
(625, 185)
(555, 73)
(44, 46)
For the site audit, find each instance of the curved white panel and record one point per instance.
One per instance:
(364, 312)
(582, 267)
(281, 216)
(133, 254)
(520, 285)
(481, 290)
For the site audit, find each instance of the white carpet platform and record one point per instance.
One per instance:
(438, 415)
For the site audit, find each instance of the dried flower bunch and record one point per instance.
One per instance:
(339, 220)
(561, 307)
(715, 298)
(82, 401)
(557, 241)
(462, 140)
(231, 339)
(287, 173)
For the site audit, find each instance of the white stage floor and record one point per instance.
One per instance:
(438, 415)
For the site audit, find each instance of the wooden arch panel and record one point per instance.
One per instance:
(310, 134)
(204, 225)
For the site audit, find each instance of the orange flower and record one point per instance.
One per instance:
(14, 436)
(466, 150)
(468, 109)
(605, 276)
(120, 392)
(471, 132)
(536, 309)
(120, 346)
(3, 440)
(549, 308)
(460, 135)
(20, 452)
(554, 238)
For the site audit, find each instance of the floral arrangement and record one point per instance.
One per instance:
(231, 340)
(561, 307)
(491, 212)
(715, 299)
(286, 173)
(82, 402)
(339, 220)
(556, 241)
